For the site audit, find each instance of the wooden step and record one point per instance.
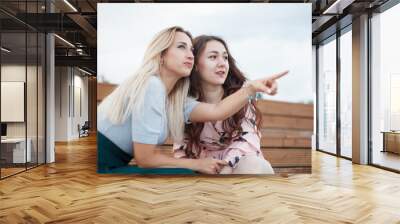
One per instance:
(288, 133)
(279, 142)
(270, 107)
(286, 138)
(285, 122)
(280, 157)
(285, 142)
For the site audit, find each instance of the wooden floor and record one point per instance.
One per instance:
(387, 159)
(10, 171)
(70, 191)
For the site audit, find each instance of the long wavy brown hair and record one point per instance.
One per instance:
(233, 82)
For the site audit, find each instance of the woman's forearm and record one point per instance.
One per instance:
(230, 105)
(233, 103)
(157, 160)
(149, 156)
(204, 112)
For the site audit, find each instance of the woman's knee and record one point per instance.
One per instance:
(253, 165)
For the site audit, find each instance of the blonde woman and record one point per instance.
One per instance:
(152, 104)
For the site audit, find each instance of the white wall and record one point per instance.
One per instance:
(80, 110)
(71, 94)
(62, 81)
(12, 73)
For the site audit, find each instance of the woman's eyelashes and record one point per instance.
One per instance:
(184, 47)
(213, 57)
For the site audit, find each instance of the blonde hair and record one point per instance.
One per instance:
(127, 99)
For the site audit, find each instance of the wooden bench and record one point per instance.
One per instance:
(286, 135)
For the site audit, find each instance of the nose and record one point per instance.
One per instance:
(222, 62)
(190, 55)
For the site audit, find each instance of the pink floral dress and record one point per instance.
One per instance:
(246, 142)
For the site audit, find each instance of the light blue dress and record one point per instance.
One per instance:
(148, 127)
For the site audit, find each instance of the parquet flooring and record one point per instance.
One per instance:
(70, 191)
(9, 171)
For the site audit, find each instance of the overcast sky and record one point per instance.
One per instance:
(263, 38)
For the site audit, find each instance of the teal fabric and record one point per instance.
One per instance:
(157, 171)
(112, 159)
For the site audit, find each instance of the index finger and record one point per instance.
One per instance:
(278, 75)
(222, 162)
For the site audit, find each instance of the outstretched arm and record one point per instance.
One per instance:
(149, 156)
(204, 112)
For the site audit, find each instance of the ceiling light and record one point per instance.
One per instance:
(84, 71)
(5, 49)
(71, 6)
(64, 40)
(338, 6)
